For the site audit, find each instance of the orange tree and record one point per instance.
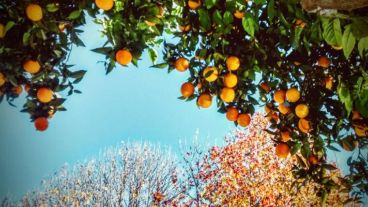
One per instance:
(310, 69)
(311, 72)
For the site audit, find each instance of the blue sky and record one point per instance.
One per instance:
(128, 104)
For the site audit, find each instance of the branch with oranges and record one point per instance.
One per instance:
(310, 72)
(306, 70)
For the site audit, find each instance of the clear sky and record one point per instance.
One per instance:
(128, 104)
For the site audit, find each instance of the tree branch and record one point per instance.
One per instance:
(317, 5)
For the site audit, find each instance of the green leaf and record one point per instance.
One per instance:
(249, 24)
(359, 28)
(332, 148)
(259, 1)
(363, 45)
(306, 150)
(296, 147)
(103, 50)
(217, 17)
(204, 19)
(296, 39)
(271, 10)
(153, 55)
(210, 3)
(348, 41)
(52, 7)
(332, 31)
(160, 66)
(362, 103)
(337, 31)
(9, 25)
(78, 74)
(74, 14)
(324, 196)
(228, 17)
(26, 37)
(344, 96)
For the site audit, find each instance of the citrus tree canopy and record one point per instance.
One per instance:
(309, 70)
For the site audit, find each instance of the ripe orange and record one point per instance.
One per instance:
(227, 95)
(104, 4)
(243, 120)
(199, 85)
(282, 150)
(123, 57)
(161, 12)
(279, 96)
(265, 87)
(232, 63)
(292, 95)
(34, 12)
(204, 100)
(267, 109)
(194, 4)
(356, 115)
(349, 144)
(210, 74)
(283, 108)
(300, 23)
(328, 82)
(17, 90)
(181, 64)
(285, 136)
(61, 26)
(2, 31)
(44, 95)
(323, 61)
(150, 24)
(313, 160)
(32, 66)
(185, 28)
(304, 125)
(41, 123)
(232, 114)
(301, 110)
(273, 116)
(187, 89)
(238, 14)
(361, 131)
(297, 63)
(2, 79)
(230, 80)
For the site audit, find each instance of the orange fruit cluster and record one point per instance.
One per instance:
(210, 75)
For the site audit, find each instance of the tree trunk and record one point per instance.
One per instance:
(316, 5)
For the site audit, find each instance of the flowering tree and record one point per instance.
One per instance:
(246, 171)
(129, 175)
